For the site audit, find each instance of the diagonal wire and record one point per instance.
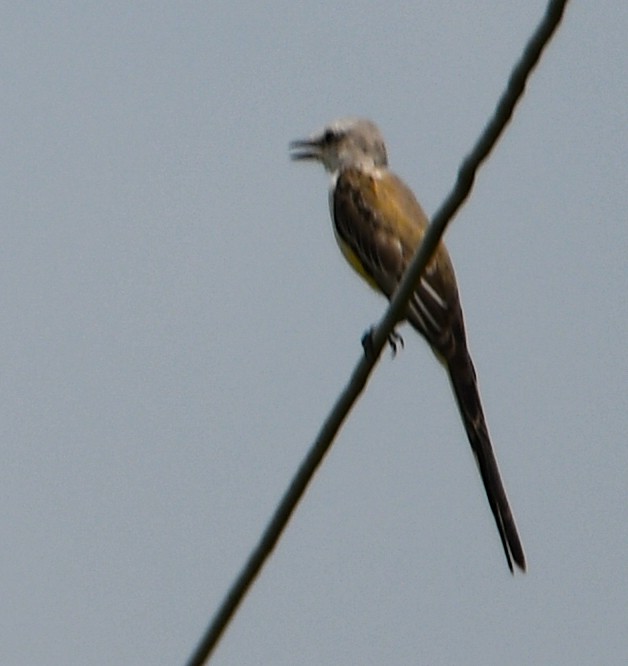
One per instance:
(378, 337)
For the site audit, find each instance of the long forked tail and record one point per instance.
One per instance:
(464, 383)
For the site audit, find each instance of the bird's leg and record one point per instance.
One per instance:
(395, 341)
(367, 342)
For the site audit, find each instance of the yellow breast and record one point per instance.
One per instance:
(355, 262)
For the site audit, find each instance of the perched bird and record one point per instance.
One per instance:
(379, 224)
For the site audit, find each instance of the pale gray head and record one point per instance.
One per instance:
(348, 142)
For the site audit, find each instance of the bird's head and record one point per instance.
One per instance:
(348, 142)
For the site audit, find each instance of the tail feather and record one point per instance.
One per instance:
(464, 383)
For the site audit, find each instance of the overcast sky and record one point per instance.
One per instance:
(176, 322)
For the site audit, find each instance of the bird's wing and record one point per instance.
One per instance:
(379, 225)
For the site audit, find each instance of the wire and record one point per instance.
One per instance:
(379, 336)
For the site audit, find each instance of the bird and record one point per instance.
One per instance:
(379, 224)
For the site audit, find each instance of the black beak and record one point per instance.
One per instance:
(305, 149)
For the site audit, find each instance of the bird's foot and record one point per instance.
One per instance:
(395, 341)
(367, 342)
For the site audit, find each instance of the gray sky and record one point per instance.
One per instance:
(177, 321)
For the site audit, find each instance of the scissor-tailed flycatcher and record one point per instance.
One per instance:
(379, 224)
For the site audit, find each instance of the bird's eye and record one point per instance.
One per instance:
(329, 136)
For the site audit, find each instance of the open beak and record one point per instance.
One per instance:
(305, 149)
